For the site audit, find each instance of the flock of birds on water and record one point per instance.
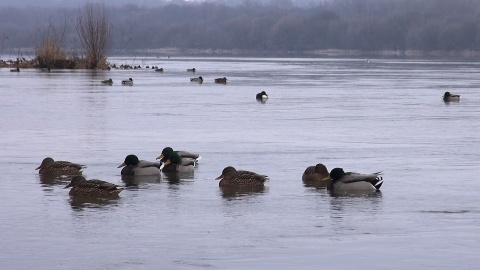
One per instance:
(169, 161)
(336, 181)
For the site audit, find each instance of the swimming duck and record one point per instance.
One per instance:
(175, 163)
(191, 69)
(344, 182)
(15, 70)
(92, 188)
(230, 177)
(317, 176)
(133, 166)
(109, 81)
(447, 97)
(262, 96)
(159, 69)
(128, 82)
(199, 79)
(221, 80)
(49, 166)
(183, 154)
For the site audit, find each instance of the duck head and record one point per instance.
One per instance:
(165, 153)
(174, 159)
(76, 181)
(130, 160)
(337, 174)
(227, 172)
(45, 162)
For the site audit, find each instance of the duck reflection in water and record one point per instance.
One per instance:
(79, 203)
(237, 192)
(137, 180)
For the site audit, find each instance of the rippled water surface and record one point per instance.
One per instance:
(382, 115)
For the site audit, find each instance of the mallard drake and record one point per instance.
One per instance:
(221, 80)
(199, 79)
(128, 82)
(109, 81)
(342, 182)
(175, 163)
(230, 177)
(191, 69)
(183, 154)
(447, 97)
(262, 96)
(49, 166)
(133, 166)
(92, 188)
(317, 176)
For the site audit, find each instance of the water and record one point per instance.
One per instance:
(382, 115)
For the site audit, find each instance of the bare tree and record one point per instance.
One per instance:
(95, 33)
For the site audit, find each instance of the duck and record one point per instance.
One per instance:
(159, 69)
(15, 70)
(262, 96)
(317, 175)
(183, 154)
(221, 80)
(92, 188)
(132, 166)
(175, 163)
(109, 81)
(351, 182)
(52, 167)
(447, 97)
(191, 69)
(199, 79)
(128, 82)
(230, 177)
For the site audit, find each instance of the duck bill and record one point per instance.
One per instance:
(160, 157)
(168, 162)
(326, 178)
(38, 167)
(219, 178)
(69, 185)
(122, 165)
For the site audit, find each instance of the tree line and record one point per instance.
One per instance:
(365, 25)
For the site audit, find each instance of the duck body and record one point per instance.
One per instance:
(109, 81)
(159, 69)
(230, 177)
(128, 82)
(262, 96)
(221, 80)
(448, 97)
(317, 176)
(92, 188)
(52, 167)
(191, 69)
(15, 70)
(199, 79)
(351, 182)
(132, 166)
(186, 157)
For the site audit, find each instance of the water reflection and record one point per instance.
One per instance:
(51, 180)
(79, 203)
(135, 181)
(175, 177)
(236, 192)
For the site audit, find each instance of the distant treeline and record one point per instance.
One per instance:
(366, 25)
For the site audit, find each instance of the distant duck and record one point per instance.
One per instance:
(159, 69)
(350, 182)
(109, 81)
(316, 176)
(447, 97)
(179, 164)
(199, 79)
(262, 96)
(128, 82)
(92, 188)
(187, 157)
(15, 70)
(221, 80)
(132, 166)
(191, 69)
(230, 177)
(51, 167)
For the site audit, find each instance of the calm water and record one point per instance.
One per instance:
(386, 115)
